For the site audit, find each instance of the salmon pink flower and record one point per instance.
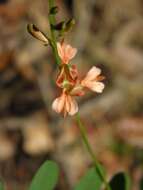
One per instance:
(92, 80)
(65, 104)
(66, 52)
(68, 80)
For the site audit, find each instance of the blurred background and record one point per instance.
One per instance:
(108, 34)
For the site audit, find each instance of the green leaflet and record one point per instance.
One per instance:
(91, 181)
(120, 181)
(46, 177)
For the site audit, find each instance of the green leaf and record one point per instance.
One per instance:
(120, 181)
(46, 177)
(1, 186)
(91, 181)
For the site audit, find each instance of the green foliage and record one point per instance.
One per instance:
(120, 182)
(1, 186)
(46, 177)
(91, 181)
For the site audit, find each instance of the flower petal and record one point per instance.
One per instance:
(73, 107)
(68, 104)
(59, 103)
(70, 52)
(60, 50)
(95, 86)
(66, 52)
(92, 74)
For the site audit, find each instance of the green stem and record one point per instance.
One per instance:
(53, 42)
(90, 151)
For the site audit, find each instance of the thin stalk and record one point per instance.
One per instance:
(52, 22)
(83, 132)
(90, 151)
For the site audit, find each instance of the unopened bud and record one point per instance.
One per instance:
(69, 25)
(60, 26)
(54, 10)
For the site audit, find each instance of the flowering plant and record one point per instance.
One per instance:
(72, 86)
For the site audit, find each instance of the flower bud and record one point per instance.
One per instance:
(69, 25)
(54, 10)
(60, 26)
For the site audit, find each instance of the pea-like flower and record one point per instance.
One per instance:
(66, 52)
(65, 104)
(92, 80)
(70, 83)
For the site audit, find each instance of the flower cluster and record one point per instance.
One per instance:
(68, 80)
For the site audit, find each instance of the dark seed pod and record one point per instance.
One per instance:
(36, 33)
